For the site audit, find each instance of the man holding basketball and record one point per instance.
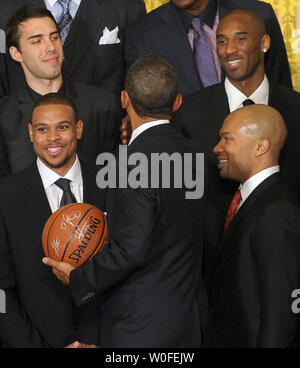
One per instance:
(39, 310)
(149, 273)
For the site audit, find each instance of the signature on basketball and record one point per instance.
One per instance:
(68, 218)
(80, 232)
(55, 245)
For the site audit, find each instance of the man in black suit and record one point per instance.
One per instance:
(34, 42)
(258, 262)
(88, 58)
(39, 310)
(167, 32)
(149, 275)
(242, 43)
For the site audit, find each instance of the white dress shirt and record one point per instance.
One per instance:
(53, 192)
(236, 97)
(253, 182)
(54, 7)
(146, 126)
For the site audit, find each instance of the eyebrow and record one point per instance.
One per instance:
(236, 33)
(58, 123)
(41, 35)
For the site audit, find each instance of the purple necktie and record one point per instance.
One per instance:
(65, 19)
(204, 56)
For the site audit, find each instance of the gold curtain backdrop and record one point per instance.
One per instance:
(288, 13)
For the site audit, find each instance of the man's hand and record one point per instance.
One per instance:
(81, 345)
(126, 130)
(61, 270)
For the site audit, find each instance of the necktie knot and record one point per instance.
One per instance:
(248, 102)
(67, 197)
(64, 4)
(197, 25)
(233, 208)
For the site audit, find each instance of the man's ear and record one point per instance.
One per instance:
(262, 146)
(124, 99)
(79, 129)
(15, 54)
(30, 130)
(177, 103)
(265, 43)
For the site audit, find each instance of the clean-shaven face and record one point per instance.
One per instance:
(54, 133)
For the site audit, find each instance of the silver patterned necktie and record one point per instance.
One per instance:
(203, 55)
(64, 20)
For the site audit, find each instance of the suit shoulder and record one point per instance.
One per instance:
(277, 195)
(154, 18)
(91, 94)
(132, 8)
(261, 7)
(284, 91)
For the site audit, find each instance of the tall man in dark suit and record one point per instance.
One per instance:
(34, 42)
(94, 43)
(258, 262)
(39, 310)
(242, 43)
(149, 275)
(170, 32)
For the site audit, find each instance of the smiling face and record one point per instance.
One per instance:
(40, 49)
(240, 47)
(54, 133)
(235, 150)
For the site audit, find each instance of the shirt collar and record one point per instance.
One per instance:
(49, 176)
(253, 182)
(146, 126)
(236, 97)
(52, 2)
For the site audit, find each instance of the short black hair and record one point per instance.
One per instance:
(20, 16)
(57, 99)
(152, 85)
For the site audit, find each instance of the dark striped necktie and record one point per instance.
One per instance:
(64, 21)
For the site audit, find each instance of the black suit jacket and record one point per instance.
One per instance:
(161, 32)
(85, 60)
(39, 308)
(257, 268)
(200, 118)
(100, 111)
(149, 275)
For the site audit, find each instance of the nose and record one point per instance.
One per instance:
(218, 148)
(53, 135)
(231, 47)
(50, 46)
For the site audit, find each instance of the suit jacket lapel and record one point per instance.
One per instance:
(248, 204)
(81, 35)
(91, 193)
(35, 196)
(179, 47)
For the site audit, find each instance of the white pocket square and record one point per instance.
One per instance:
(109, 37)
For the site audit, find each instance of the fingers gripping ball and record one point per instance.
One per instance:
(74, 233)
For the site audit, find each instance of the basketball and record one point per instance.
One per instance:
(75, 233)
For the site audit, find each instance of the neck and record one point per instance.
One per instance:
(44, 86)
(137, 121)
(248, 86)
